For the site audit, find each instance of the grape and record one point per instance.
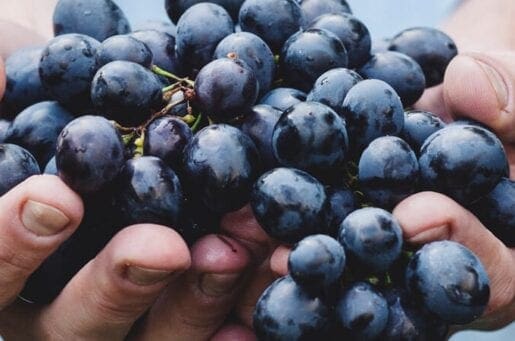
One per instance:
(332, 87)
(162, 46)
(314, 8)
(418, 126)
(362, 311)
(307, 55)
(289, 204)
(23, 84)
(400, 71)
(166, 138)
(380, 45)
(259, 125)
(67, 67)
(273, 21)
(90, 153)
(312, 137)
(449, 280)
(283, 98)
(372, 239)
(253, 51)
(4, 126)
(351, 31)
(316, 263)
(148, 191)
(98, 19)
(37, 128)
(496, 211)
(388, 171)
(16, 165)
(196, 41)
(51, 167)
(220, 165)
(286, 312)
(372, 109)
(342, 202)
(463, 161)
(126, 92)
(157, 25)
(226, 88)
(124, 47)
(429, 47)
(175, 8)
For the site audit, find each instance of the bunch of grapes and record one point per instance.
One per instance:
(286, 105)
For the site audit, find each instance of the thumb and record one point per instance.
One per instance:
(429, 216)
(481, 86)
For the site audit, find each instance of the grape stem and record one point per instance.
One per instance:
(158, 71)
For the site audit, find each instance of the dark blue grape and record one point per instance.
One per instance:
(162, 46)
(342, 202)
(253, 51)
(98, 19)
(289, 204)
(221, 164)
(158, 25)
(362, 311)
(199, 30)
(496, 211)
(352, 33)
(23, 85)
(449, 280)
(372, 109)
(166, 138)
(332, 87)
(418, 126)
(198, 221)
(388, 172)
(307, 55)
(400, 71)
(408, 322)
(225, 89)
(259, 124)
(90, 154)
(175, 8)
(4, 127)
(67, 67)
(37, 128)
(286, 312)
(372, 239)
(148, 191)
(312, 137)
(273, 21)
(126, 92)
(314, 8)
(316, 263)
(283, 98)
(464, 162)
(51, 167)
(16, 165)
(430, 48)
(124, 47)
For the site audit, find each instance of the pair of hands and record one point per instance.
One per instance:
(209, 291)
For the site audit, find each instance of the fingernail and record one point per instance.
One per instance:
(430, 235)
(497, 82)
(218, 284)
(42, 219)
(143, 276)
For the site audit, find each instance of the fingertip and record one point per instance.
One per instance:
(2, 78)
(279, 260)
(219, 254)
(234, 332)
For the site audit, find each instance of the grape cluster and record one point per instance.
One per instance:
(281, 104)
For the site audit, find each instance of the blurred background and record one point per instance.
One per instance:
(384, 18)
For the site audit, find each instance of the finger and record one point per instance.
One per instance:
(279, 260)
(197, 306)
(481, 86)
(2, 78)
(432, 100)
(234, 332)
(430, 216)
(113, 290)
(35, 218)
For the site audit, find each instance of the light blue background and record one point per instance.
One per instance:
(384, 18)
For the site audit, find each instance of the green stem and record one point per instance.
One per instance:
(196, 124)
(157, 70)
(139, 145)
